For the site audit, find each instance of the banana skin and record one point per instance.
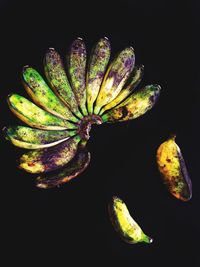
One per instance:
(173, 170)
(124, 224)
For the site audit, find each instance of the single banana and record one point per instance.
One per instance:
(96, 69)
(115, 78)
(124, 224)
(43, 96)
(135, 105)
(173, 170)
(57, 78)
(35, 116)
(72, 170)
(77, 72)
(136, 77)
(29, 138)
(49, 159)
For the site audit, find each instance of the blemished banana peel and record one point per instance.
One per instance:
(124, 224)
(66, 104)
(173, 170)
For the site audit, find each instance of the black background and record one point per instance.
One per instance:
(70, 224)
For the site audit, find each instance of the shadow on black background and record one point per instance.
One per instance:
(70, 224)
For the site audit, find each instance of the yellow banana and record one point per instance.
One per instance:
(124, 224)
(172, 167)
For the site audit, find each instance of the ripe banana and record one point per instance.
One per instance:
(115, 78)
(124, 224)
(35, 116)
(135, 105)
(49, 159)
(77, 72)
(136, 78)
(173, 170)
(97, 66)
(57, 78)
(29, 138)
(72, 170)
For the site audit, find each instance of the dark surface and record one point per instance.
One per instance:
(70, 224)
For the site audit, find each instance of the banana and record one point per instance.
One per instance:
(77, 72)
(173, 170)
(135, 105)
(57, 78)
(29, 138)
(35, 116)
(115, 78)
(96, 69)
(43, 96)
(124, 224)
(49, 159)
(127, 90)
(72, 170)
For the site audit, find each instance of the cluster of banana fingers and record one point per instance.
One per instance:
(67, 104)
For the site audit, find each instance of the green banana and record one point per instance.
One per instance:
(77, 72)
(135, 80)
(49, 159)
(43, 96)
(29, 138)
(115, 78)
(97, 66)
(124, 224)
(173, 170)
(58, 80)
(135, 105)
(35, 116)
(72, 170)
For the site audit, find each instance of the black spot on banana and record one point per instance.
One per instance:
(173, 170)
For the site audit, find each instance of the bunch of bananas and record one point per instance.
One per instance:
(66, 105)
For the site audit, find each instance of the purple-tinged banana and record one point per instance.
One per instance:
(97, 66)
(135, 105)
(43, 96)
(59, 118)
(115, 78)
(35, 116)
(49, 159)
(126, 91)
(58, 80)
(72, 170)
(124, 224)
(77, 72)
(29, 138)
(173, 170)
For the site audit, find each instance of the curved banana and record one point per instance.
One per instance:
(49, 159)
(135, 80)
(77, 72)
(57, 78)
(173, 170)
(97, 66)
(29, 138)
(35, 116)
(115, 78)
(72, 170)
(135, 105)
(124, 224)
